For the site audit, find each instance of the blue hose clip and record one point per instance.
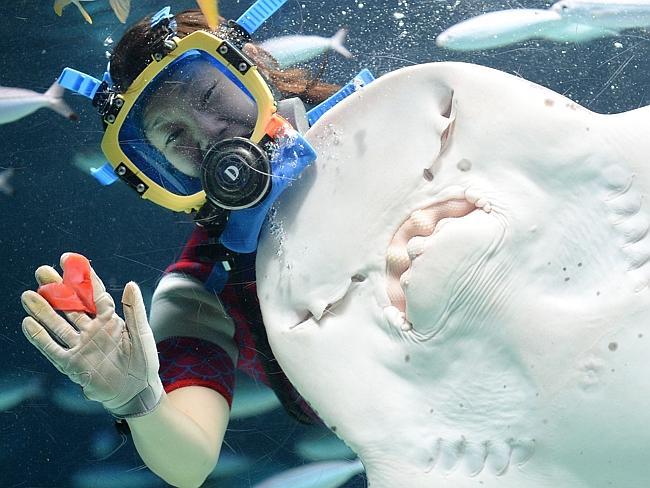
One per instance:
(243, 228)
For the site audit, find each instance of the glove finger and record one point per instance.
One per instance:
(36, 306)
(103, 300)
(47, 274)
(39, 337)
(135, 316)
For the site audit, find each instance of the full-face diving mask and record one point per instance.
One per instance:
(198, 129)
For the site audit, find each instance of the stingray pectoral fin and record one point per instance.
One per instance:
(121, 9)
(59, 5)
(627, 129)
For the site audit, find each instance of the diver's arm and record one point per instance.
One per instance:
(181, 439)
(188, 424)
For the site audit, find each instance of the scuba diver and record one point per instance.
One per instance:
(192, 125)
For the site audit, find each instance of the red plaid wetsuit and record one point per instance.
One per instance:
(186, 361)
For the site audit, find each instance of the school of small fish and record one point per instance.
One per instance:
(564, 21)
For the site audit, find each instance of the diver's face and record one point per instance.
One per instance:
(197, 107)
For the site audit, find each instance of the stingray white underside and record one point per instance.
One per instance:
(459, 284)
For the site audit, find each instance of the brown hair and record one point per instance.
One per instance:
(133, 52)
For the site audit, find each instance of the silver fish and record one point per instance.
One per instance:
(497, 29)
(16, 103)
(87, 161)
(324, 474)
(505, 27)
(69, 397)
(611, 14)
(112, 475)
(576, 32)
(252, 399)
(322, 445)
(5, 186)
(291, 50)
(14, 391)
(105, 443)
(229, 464)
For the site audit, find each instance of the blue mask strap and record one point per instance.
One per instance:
(362, 79)
(162, 14)
(257, 14)
(79, 82)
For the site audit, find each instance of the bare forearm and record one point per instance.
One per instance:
(179, 441)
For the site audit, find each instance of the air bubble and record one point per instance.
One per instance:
(276, 229)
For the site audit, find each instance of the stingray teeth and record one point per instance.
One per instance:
(440, 225)
(471, 195)
(471, 198)
(396, 318)
(397, 258)
(422, 224)
(415, 246)
(484, 204)
(404, 281)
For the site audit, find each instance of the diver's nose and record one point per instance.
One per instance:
(208, 129)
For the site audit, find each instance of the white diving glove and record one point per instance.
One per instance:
(115, 363)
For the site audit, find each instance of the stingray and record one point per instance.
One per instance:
(459, 284)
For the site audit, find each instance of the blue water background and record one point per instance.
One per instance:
(58, 208)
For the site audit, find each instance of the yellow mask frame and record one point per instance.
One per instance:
(224, 52)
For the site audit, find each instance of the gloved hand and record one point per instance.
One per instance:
(115, 363)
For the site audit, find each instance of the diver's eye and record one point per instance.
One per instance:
(208, 94)
(173, 136)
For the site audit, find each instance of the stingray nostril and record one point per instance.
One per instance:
(358, 278)
(464, 165)
(427, 174)
(447, 111)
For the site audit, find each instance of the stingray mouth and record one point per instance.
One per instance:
(410, 241)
